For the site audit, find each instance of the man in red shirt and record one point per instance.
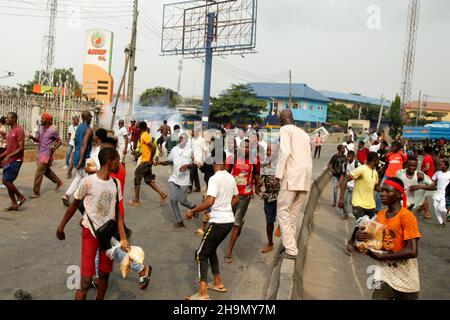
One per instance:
(12, 161)
(246, 174)
(427, 168)
(394, 160)
(362, 152)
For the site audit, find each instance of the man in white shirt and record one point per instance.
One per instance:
(71, 138)
(122, 139)
(240, 137)
(181, 158)
(348, 145)
(199, 149)
(221, 197)
(351, 134)
(375, 146)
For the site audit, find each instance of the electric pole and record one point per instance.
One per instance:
(132, 63)
(180, 68)
(381, 113)
(290, 89)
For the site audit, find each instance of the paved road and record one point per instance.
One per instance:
(331, 274)
(33, 259)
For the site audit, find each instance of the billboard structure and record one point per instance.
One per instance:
(203, 28)
(97, 80)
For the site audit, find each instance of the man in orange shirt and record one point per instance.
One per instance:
(397, 273)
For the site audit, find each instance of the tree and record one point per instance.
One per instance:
(338, 112)
(160, 96)
(238, 105)
(64, 74)
(395, 116)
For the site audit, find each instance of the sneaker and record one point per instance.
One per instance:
(65, 167)
(2, 186)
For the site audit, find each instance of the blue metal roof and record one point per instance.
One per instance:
(281, 91)
(354, 98)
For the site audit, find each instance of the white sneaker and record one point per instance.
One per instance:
(65, 167)
(2, 186)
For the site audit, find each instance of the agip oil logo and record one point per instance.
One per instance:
(98, 39)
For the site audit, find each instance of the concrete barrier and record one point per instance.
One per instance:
(287, 275)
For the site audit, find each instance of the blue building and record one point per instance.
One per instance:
(309, 107)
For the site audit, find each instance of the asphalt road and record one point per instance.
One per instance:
(32, 259)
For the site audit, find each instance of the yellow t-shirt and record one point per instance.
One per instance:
(145, 141)
(365, 181)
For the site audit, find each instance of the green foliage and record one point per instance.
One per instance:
(65, 74)
(337, 113)
(160, 96)
(238, 106)
(395, 117)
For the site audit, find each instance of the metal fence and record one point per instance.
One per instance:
(62, 105)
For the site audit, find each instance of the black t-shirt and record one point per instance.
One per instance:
(337, 162)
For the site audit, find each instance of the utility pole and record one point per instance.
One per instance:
(132, 63)
(419, 108)
(180, 68)
(208, 68)
(290, 89)
(381, 113)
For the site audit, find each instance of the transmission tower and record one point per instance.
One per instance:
(409, 53)
(48, 47)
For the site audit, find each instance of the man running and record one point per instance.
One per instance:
(181, 159)
(144, 169)
(246, 174)
(71, 138)
(222, 196)
(98, 193)
(12, 161)
(48, 142)
(199, 149)
(83, 145)
(294, 172)
(398, 270)
(165, 132)
(366, 182)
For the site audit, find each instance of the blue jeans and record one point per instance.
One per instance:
(335, 191)
(348, 201)
(68, 154)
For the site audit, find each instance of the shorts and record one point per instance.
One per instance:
(11, 171)
(360, 212)
(143, 171)
(89, 247)
(270, 209)
(240, 210)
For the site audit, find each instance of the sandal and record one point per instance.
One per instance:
(164, 198)
(221, 289)
(195, 296)
(199, 232)
(228, 259)
(133, 203)
(143, 281)
(11, 208)
(65, 201)
(35, 196)
(21, 202)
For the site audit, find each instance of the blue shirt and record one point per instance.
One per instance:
(79, 137)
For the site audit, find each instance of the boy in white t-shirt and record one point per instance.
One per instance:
(221, 196)
(99, 193)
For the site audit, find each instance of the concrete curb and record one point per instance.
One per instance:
(287, 276)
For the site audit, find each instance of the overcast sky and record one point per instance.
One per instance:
(326, 43)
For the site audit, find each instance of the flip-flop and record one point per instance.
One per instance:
(195, 296)
(143, 281)
(11, 208)
(218, 289)
(229, 259)
(133, 204)
(21, 202)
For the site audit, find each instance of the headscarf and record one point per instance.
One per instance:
(47, 116)
(399, 188)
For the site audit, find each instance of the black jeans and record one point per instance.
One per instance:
(194, 178)
(318, 148)
(214, 235)
(386, 292)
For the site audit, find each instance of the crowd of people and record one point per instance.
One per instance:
(239, 166)
(368, 174)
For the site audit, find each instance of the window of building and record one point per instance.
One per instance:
(295, 105)
(311, 107)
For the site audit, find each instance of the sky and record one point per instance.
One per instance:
(339, 45)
